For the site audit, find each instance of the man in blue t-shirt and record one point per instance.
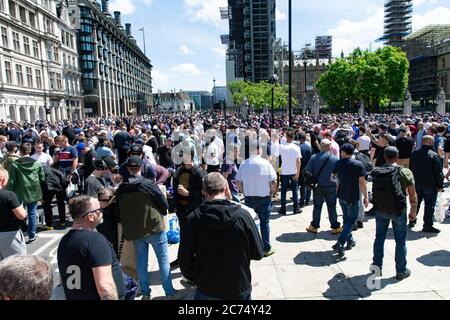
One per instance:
(67, 157)
(351, 181)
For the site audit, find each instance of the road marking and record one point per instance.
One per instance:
(55, 237)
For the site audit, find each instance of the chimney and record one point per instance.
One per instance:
(117, 18)
(128, 29)
(105, 6)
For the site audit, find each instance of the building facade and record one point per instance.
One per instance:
(73, 95)
(397, 21)
(203, 100)
(252, 34)
(31, 79)
(428, 52)
(116, 75)
(173, 102)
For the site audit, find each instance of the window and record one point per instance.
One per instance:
(16, 41)
(50, 54)
(443, 63)
(64, 59)
(72, 46)
(63, 37)
(19, 75)
(58, 81)
(52, 80)
(26, 45)
(35, 49)
(12, 8)
(32, 19)
(2, 6)
(8, 72)
(56, 54)
(30, 77)
(38, 79)
(23, 14)
(5, 37)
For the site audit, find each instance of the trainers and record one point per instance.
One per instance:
(337, 230)
(62, 224)
(355, 227)
(146, 297)
(412, 223)
(175, 264)
(46, 228)
(360, 224)
(178, 295)
(282, 212)
(350, 244)
(298, 211)
(269, 253)
(431, 230)
(312, 229)
(338, 249)
(31, 240)
(403, 275)
(186, 281)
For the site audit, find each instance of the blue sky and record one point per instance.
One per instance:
(183, 36)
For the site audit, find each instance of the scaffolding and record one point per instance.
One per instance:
(397, 21)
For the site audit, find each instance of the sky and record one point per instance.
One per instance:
(183, 36)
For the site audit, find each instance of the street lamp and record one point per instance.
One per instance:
(290, 64)
(274, 82)
(305, 65)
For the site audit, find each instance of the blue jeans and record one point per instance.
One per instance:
(31, 210)
(159, 244)
(201, 296)
(285, 180)
(327, 194)
(399, 226)
(350, 212)
(429, 195)
(305, 195)
(263, 208)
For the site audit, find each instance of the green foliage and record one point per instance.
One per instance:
(259, 95)
(372, 77)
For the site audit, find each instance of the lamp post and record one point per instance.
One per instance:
(290, 64)
(274, 82)
(143, 35)
(214, 102)
(305, 64)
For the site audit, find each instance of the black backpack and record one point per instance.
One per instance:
(388, 194)
(365, 161)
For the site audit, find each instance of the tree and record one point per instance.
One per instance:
(369, 77)
(259, 95)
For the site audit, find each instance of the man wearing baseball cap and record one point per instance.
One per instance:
(350, 174)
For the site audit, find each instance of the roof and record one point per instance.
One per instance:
(433, 33)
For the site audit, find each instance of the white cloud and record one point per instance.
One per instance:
(189, 70)
(185, 50)
(348, 35)
(418, 3)
(280, 16)
(217, 66)
(220, 51)
(160, 79)
(126, 7)
(206, 11)
(438, 15)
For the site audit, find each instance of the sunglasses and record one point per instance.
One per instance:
(93, 211)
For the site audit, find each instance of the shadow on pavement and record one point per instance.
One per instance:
(189, 295)
(411, 235)
(440, 258)
(359, 283)
(306, 236)
(155, 277)
(314, 259)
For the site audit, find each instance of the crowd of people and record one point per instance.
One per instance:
(122, 175)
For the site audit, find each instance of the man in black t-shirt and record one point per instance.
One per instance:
(165, 154)
(12, 241)
(405, 146)
(87, 263)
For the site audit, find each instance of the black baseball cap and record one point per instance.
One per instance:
(134, 161)
(110, 162)
(135, 148)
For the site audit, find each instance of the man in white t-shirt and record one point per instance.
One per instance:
(40, 156)
(363, 142)
(290, 171)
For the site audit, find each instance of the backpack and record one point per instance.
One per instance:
(388, 194)
(365, 159)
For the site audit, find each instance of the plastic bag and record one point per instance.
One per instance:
(439, 212)
(173, 235)
(71, 190)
